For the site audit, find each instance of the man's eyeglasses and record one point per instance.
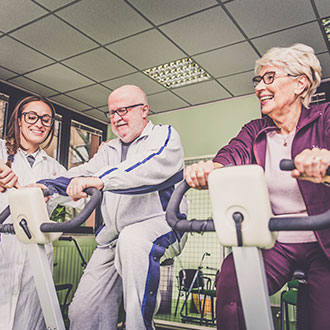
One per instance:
(269, 77)
(123, 110)
(31, 118)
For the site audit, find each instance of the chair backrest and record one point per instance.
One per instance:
(187, 276)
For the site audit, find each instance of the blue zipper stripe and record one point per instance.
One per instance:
(152, 155)
(144, 160)
(108, 172)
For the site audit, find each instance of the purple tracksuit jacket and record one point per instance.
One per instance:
(313, 130)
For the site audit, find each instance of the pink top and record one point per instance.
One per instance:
(285, 196)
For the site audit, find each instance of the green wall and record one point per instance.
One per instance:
(204, 129)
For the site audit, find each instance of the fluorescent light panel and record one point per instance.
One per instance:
(326, 26)
(178, 73)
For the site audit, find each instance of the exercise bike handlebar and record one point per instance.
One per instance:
(66, 227)
(288, 165)
(184, 225)
(314, 222)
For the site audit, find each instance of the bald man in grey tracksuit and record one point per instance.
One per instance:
(137, 173)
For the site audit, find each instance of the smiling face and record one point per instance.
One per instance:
(129, 126)
(280, 96)
(32, 135)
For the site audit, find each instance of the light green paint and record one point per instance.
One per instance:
(111, 135)
(205, 129)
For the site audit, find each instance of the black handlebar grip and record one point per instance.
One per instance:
(67, 227)
(184, 225)
(7, 228)
(288, 165)
(48, 191)
(312, 222)
(4, 214)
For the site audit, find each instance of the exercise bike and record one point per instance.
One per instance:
(244, 221)
(32, 226)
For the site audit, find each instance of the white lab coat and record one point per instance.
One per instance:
(19, 304)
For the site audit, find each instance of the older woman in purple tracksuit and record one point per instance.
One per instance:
(290, 128)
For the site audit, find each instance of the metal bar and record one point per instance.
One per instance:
(251, 278)
(45, 286)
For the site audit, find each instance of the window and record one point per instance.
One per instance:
(84, 142)
(3, 113)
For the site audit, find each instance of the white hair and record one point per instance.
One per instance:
(296, 60)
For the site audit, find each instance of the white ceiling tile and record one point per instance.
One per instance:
(228, 60)
(33, 86)
(160, 11)
(104, 20)
(203, 31)
(105, 109)
(323, 7)
(6, 74)
(259, 17)
(308, 34)
(139, 79)
(202, 93)
(96, 95)
(325, 64)
(64, 43)
(99, 65)
(239, 84)
(97, 114)
(147, 49)
(53, 4)
(59, 77)
(165, 101)
(66, 100)
(20, 58)
(14, 13)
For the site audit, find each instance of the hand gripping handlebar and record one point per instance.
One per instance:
(288, 165)
(65, 227)
(315, 222)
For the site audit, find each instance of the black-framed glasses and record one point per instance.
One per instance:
(31, 118)
(123, 110)
(269, 77)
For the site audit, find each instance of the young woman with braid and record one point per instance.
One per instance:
(22, 162)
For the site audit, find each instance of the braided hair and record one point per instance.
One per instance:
(13, 139)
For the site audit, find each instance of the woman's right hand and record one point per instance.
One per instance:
(8, 179)
(196, 175)
(311, 164)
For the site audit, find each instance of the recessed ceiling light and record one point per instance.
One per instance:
(326, 26)
(178, 73)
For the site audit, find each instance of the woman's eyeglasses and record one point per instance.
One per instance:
(269, 77)
(31, 118)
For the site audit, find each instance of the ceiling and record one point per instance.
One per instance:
(76, 52)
